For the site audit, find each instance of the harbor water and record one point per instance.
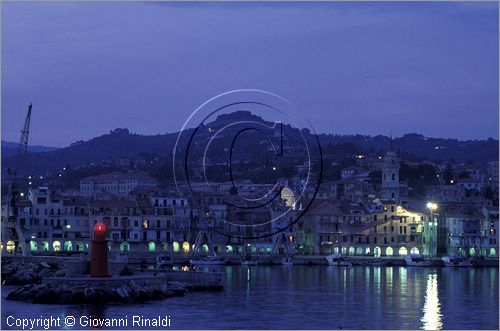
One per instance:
(312, 297)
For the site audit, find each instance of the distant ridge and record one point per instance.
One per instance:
(10, 148)
(120, 143)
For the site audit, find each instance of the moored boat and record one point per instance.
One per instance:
(338, 260)
(456, 261)
(209, 260)
(416, 260)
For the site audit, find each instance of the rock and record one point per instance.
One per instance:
(46, 295)
(164, 289)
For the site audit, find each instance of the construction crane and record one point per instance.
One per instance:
(25, 132)
(11, 220)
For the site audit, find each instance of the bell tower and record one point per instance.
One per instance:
(390, 176)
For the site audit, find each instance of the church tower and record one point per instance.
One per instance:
(390, 176)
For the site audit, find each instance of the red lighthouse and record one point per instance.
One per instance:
(99, 254)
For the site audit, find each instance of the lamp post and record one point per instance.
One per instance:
(432, 207)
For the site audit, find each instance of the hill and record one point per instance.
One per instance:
(10, 148)
(120, 143)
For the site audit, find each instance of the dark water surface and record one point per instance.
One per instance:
(314, 297)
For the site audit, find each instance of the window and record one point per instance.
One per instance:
(393, 176)
(392, 208)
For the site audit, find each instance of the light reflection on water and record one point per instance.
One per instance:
(317, 297)
(432, 308)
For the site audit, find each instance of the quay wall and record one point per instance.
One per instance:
(194, 280)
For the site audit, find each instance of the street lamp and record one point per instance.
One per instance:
(432, 206)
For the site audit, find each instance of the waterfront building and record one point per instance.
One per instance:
(116, 183)
(382, 229)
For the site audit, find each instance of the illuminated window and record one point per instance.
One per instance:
(175, 247)
(68, 246)
(124, 247)
(80, 246)
(56, 246)
(185, 247)
(403, 251)
(11, 246)
(152, 246)
(45, 246)
(33, 246)
(493, 252)
(145, 224)
(388, 251)
(204, 248)
(415, 251)
(229, 249)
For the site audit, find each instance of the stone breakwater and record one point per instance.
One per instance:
(28, 273)
(88, 290)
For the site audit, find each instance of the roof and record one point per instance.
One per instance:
(140, 175)
(74, 201)
(117, 203)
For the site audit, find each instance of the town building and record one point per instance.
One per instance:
(116, 183)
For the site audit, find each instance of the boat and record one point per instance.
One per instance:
(338, 260)
(417, 260)
(377, 263)
(456, 261)
(209, 260)
(164, 261)
(287, 261)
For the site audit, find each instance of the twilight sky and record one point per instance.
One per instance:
(376, 68)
